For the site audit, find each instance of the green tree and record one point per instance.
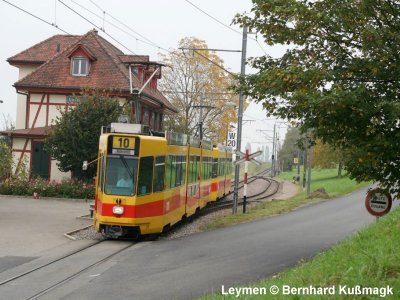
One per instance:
(76, 133)
(290, 148)
(339, 76)
(6, 159)
(194, 75)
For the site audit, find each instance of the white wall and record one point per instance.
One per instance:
(56, 174)
(18, 143)
(21, 99)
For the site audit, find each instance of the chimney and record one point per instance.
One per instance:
(58, 47)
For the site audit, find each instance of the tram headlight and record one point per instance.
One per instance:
(118, 210)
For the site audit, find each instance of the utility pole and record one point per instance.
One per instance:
(273, 152)
(309, 172)
(298, 163)
(304, 167)
(201, 116)
(240, 117)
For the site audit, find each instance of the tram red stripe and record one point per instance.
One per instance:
(153, 209)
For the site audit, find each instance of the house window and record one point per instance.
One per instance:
(80, 66)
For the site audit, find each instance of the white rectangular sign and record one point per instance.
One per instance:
(231, 139)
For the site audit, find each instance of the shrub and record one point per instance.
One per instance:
(68, 188)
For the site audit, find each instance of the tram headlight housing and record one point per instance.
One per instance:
(118, 210)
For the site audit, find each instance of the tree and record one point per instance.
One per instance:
(338, 77)
(6, 159)
(290, 148)
(324, 155)
(193, 75)
(76, 133)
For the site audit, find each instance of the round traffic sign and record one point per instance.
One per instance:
(378, 202)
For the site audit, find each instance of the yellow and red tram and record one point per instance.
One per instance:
(145, 184)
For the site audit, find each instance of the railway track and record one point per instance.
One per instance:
(39, 281)
(269, 190)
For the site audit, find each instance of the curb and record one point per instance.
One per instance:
(68, 234)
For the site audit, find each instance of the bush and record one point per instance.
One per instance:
(68, 188)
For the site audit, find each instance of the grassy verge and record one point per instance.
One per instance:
(327, 179)
(320, 179)
(370, 259)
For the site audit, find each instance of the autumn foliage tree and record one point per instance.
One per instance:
(193, 75)
(339, 77)
(76, 133)
(324, 156)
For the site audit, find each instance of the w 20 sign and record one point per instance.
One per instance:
(231, 141)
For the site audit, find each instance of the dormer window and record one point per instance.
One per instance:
(79, 66)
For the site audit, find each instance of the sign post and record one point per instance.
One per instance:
(246, 158)
(378, 202)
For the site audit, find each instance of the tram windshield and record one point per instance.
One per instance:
(121, 175)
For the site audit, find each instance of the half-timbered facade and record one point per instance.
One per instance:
(51, 75)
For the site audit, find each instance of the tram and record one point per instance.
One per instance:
(147, 183)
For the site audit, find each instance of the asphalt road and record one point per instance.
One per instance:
(189, 267)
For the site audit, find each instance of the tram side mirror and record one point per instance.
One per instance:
(84, 166)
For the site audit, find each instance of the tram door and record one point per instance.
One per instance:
(40, 161)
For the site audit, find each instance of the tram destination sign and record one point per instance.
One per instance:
(123, 145)
(378, 202)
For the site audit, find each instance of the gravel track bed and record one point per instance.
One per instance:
(88, 234)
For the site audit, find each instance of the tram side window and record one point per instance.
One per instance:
(210, 165)
(183, 169)
(207, 168)
(215, 168)
(180, 170)
(145, 175)
(230, 167)
(226, 170)
(171, 171)
(192, 176)
(198, 170)
(179, 174)
(159, 174)
(224, 166)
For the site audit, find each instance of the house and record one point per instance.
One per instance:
(54, 71)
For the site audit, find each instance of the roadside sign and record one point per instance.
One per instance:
(231, 139)
(295, 160)
(378, 202)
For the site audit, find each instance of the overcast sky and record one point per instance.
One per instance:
(157, 22)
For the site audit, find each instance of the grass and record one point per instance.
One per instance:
(327, 179)
(371, 258)
(320, 179)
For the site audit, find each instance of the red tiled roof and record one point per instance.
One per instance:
(134, 58)
(43, 51)
(31, 132)
(106, 72)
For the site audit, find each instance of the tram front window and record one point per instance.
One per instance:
(120, 176)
